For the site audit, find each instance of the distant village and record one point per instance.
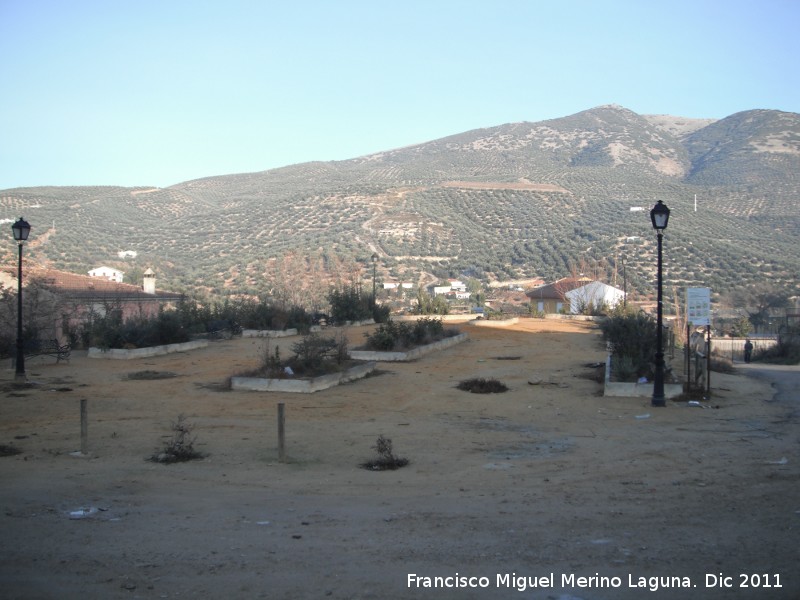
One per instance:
(101, 287)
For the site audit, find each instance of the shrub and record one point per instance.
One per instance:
(387, 460)
(313, 355)
(312, 352)
(479, 385)
(350, 304)
(632, 339)
(785, 352)
(180, 447)
(394, 336)
(6, 450)
(110, 331)
(431, 305)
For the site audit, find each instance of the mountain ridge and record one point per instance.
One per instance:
(519, 199)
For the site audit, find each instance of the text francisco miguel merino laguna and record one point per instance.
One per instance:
(570, 580)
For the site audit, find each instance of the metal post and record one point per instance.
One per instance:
(658, 382)
(708, 363)
(624, 286)
(20, 372)
(281, 432)
(688, 350)
(374, 266)
(84, 428)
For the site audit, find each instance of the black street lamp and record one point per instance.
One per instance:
(624, 286)
(374, 266)
(21, 230)
(659, 215)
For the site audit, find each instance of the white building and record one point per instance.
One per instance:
(594, 293)
(107, 273)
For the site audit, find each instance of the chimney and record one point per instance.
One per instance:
(149, 282)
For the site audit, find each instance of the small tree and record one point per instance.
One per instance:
(387, 460)
(742, 327)
(632, 338)
(348, 303)
(431, 305)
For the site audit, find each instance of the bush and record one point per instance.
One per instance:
(180, 447)
(431, 305)
(313, 355)
(349, 304)
(632, 339)
(394, 336)
(387, 460)
(785, 352)
(110, 331)
(312, 352)
(479, 385)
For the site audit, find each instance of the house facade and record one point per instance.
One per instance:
(72, 299)
(594, 295)
(573, 295)
(108, 273)
(550, 298)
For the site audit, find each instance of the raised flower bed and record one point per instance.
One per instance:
(407, 355)
(302, 385)
(127, 354)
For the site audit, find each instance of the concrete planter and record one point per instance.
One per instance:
(412, 354)
(442, 318)
(572, 317)
(268, 333)
(495, 322)
(275, 333)
(636, 390)
(122, 354)
(302, 386)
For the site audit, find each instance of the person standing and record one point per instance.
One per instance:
(748, 351)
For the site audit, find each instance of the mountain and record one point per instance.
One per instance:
(517, 200)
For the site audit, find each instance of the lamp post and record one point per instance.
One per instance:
(659, 215)
(624, 286)
(21, 230)
(374, 266)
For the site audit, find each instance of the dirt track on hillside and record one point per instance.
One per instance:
(550, 478)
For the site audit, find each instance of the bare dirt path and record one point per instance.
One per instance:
(549, 480)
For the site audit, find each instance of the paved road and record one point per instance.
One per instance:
(785, 380)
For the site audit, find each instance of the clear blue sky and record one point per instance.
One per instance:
(156, 92)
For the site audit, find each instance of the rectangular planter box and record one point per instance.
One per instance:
(302, 386)
(495, 322)
(123, 354)
(268, 333)
(412, 354)
(636, 390)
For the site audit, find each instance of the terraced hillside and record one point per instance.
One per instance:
(518, 200)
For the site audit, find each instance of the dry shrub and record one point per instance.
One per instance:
(479, 385)
(180, 447)
(387, 460)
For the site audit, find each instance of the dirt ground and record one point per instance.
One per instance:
(513, 495)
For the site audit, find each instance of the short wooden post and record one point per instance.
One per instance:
(84, 428)
(281, 432)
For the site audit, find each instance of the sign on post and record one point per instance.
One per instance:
(698, 306)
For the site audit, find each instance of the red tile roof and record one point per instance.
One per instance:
(557, 289)
(85, 286)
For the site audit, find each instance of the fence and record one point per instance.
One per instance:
(733, 348)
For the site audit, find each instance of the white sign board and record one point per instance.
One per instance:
(698, 306)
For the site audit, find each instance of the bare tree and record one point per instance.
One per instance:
(758, 302)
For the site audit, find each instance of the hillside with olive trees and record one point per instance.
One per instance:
(518, 200)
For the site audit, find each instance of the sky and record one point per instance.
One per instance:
(157, 92)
